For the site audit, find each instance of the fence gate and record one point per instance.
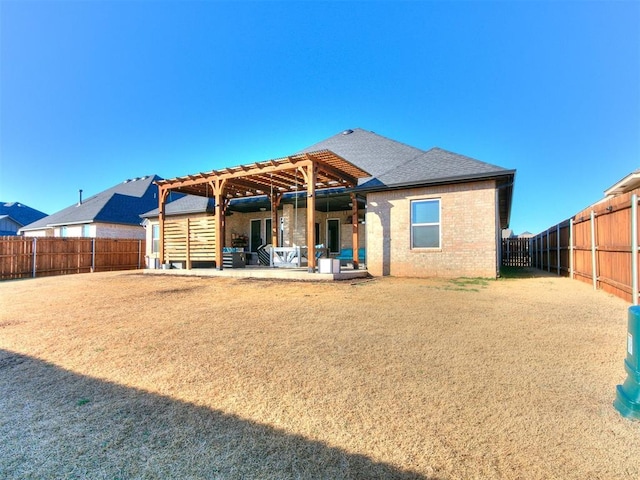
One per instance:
(515, 252)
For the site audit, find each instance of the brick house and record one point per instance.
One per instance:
(398, 209)
(112, 213)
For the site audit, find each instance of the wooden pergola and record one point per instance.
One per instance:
(273, 178)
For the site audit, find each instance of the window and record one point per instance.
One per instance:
(425, 224)
(155, 238)
(86, 231)
(63, 231)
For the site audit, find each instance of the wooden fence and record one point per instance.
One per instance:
(515, 252)
(598, 245)
(29, 257)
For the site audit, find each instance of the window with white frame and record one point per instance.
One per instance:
(86, 231)
(425, 223)
(155, 238)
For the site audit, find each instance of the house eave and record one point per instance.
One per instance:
(628, 183)
(436, 182)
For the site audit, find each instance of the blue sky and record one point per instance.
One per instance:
(95, 92)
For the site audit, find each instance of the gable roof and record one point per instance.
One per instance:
(435, 166)
(122, 204)
(394, 165)
(20, 213)
(367, 150)
(183, 205)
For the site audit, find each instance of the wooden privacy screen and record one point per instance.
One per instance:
(190, 239)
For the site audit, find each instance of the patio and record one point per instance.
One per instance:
(261, 272)
(272, 189)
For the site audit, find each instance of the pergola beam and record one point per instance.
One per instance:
(273, 178)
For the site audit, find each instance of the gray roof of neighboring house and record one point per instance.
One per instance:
(20, 213)
(122, 204)
(394, 164)
(183, 205)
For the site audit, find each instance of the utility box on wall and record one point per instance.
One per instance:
(627, 400)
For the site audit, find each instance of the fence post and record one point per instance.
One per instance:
(93, 255)
(571, 251)
(539, 252)
(35, 249)
(540, 259)
(593, 250)
(139, 248)
(634, 247)
(508, 254)
(558, 247)
(548, 252)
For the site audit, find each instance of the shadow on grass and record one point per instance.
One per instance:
(524, 272)
(55, 423)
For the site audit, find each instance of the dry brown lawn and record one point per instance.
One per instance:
(124, 375)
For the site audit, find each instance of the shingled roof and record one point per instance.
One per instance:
(183, 205)
(394, 165)
(122, 204)
(20, 213)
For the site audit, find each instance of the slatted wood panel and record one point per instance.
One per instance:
(61, 256)
(202, 239)
(196, 233)
(175, 240)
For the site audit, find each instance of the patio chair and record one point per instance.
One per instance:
(264, 258)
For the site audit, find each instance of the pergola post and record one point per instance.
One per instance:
(163, 193)
(354, 227)
(275, 203)
(218, 187)
(320, 169)
(311, 217)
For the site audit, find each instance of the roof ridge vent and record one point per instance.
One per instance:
(347, 132)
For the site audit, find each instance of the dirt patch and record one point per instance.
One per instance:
(124, 375)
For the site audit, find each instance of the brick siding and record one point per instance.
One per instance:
(468, 232)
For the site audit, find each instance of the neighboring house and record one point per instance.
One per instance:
(113, 213)
(14, 215)
(411, 212)
(626, 185)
